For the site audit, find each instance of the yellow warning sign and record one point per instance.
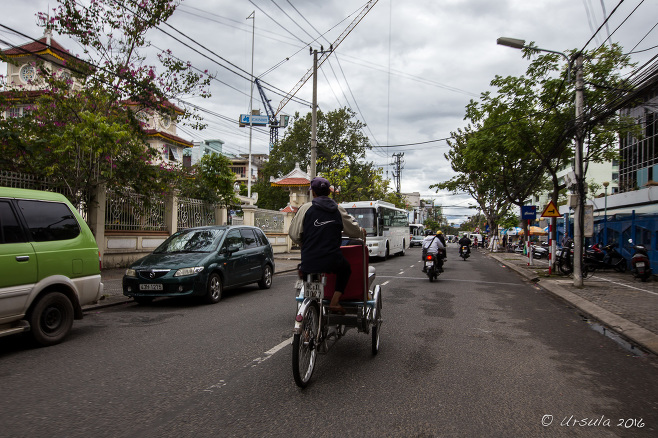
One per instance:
(550, 211)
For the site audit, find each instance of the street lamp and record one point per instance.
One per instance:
(605, 214)
(516, 43)
(579, 103)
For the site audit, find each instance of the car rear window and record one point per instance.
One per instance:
(49, 221)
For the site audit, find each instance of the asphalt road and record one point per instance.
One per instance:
(476, 353)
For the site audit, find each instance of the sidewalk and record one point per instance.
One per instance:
(615, 300)
(113, 292)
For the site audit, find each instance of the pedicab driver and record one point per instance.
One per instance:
(317, 228)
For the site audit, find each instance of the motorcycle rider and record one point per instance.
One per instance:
(433, 244)
(465, 241)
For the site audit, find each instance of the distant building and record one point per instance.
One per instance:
(639, 156)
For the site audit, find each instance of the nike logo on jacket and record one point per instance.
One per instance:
(319, 224)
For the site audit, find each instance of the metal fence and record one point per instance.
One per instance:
(129, 212)
(26, 181)
(195, 213)
(269, 221)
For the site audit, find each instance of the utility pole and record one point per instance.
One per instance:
(580, 205)
(314, 114)
(314, 111)
(251, 16)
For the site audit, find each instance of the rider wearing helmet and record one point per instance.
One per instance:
(434, 244)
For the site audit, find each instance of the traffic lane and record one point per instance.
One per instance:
(438, 373)
(136, 361)
(505, 327)
(412, 387)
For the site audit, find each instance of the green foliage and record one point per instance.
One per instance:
(524, 131)
(77, 137)
(212, 181)
(342, 148)
(84, 134)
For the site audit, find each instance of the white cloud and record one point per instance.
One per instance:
(441, 55)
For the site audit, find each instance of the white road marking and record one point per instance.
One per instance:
(625, 285)
(384, 283)
(254, 363)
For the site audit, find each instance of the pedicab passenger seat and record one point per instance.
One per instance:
(357, 288)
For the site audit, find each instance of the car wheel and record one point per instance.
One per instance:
(51, 318)
(266, 281)
(143, 300)
(214, 292)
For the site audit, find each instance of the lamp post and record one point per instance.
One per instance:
(605, 214)
(251, 16)
(578, 170)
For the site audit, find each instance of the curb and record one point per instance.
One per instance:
(642, 337)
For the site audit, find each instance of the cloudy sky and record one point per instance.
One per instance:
(407, 69)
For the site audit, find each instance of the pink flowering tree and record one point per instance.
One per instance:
(79, 130)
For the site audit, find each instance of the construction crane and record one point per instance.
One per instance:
(274, 122)
(325, 55)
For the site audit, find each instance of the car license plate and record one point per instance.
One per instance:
(429, 264)
(313, 290)
(150, 287)
(639, 265)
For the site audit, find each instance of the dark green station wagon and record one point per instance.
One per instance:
(202, 262)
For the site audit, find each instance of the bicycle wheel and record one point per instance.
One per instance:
(304, 350)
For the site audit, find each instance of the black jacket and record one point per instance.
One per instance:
(323, 226)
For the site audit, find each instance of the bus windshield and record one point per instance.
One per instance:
(366, 217)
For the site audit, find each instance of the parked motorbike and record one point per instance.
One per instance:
(604, 258)
(433, 265)
(539, 251)
(464, 253)
(640, 264)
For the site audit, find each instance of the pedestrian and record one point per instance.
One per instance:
(317, 228)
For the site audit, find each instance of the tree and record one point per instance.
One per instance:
(528, 125)
(212, 181)
(342, 148)
(86, 135)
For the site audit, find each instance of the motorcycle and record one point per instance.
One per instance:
(606, 258)
(464, 253)
(640, 264)
(433, 265)
(539, 251)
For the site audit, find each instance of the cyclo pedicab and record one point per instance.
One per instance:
(317, 329)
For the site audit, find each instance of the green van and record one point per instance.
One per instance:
(49, 265)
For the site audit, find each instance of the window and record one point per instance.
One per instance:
(49, 221)
(172, 153)
(10, 229)
(249, 238)
(27, 73)
(14, 111)
(233, 238)
(263, 238)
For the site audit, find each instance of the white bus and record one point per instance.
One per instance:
(416, 229)
(386, 225)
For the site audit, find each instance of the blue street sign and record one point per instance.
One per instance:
(528, 212)
(255, 120)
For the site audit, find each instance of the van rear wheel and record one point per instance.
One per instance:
(51, 319)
